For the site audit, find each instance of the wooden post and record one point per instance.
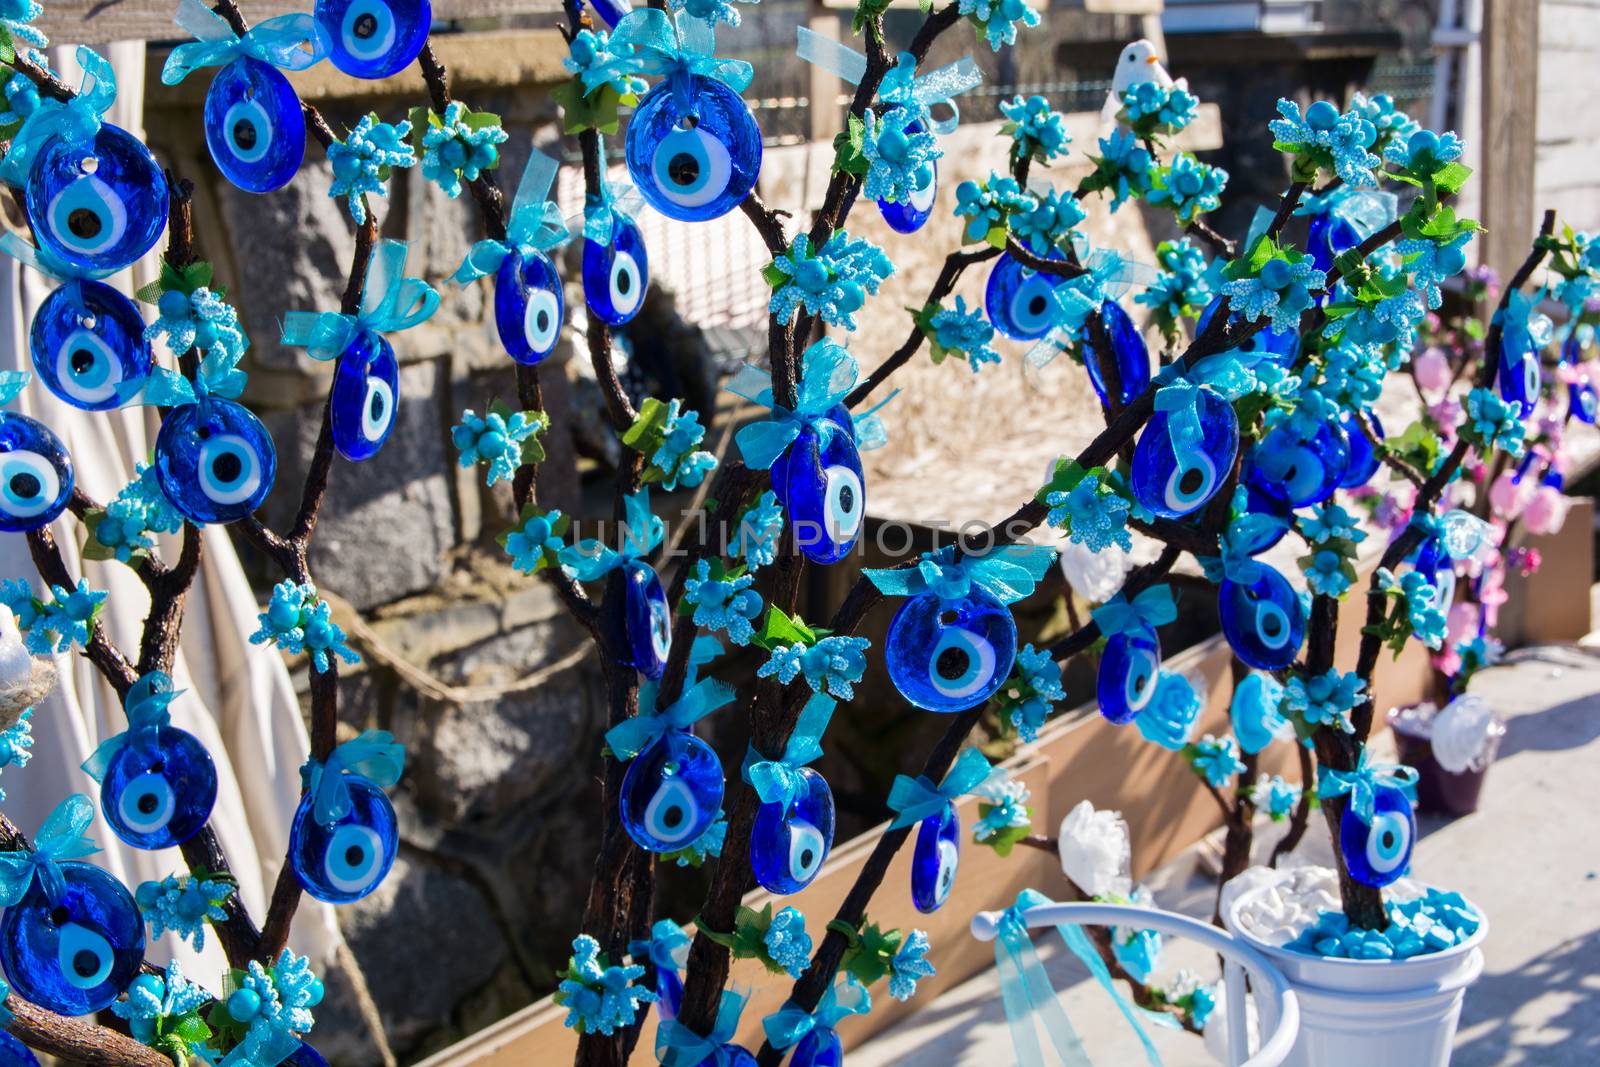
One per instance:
(1509, 106)
(824, 86)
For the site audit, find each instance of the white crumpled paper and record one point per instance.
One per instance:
(1095, 852)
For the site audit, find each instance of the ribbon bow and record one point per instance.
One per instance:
(901, 85)
(263, 1048)
(915, 799)
(827, 375)
(1179, 400)
(76, 121)
(536, 223)
(1361, 785)
(1366, 210)
(592, 559)
(678, 51)
(786, 1026)
(679, 1046)
(1249, 530)
(1009, 572)
(44, 261)
(146, 705)
(60, 838)
(667, 947)
(290, 42)
(779, 781)
(389, 302)
(632, 736)
(1152, 608)
(375, 756)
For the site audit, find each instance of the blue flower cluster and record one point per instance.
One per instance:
(967, 331)
(1424, 153)
(1325, 571)
(15, 16)
(909, 966)
(461, 148)
(15, 741)
(787, 942)
(832, 284)
(1331, 523)
(363, 161)
(759, 529)
(1093, 513)
(1496, 424)
(1188, 187)
(1385, 116)
(1429, 923)
(591, 51)
(54, 626)
(137, 511)
(1275, 796)
(1328, 137)
(536, 542)
(707, 845)
(1216, 760)
(1124, 166)
(711, 11)
(1007, 809)
(1034, 688)
(998, 19)
(727, 604)
(899, 159)
(1281, 291)
(277, 1001)
(1431, 263)
(154, 999)
(1050, 222)
(1169, 108)
(988, 206)
(201, 318)
(1037, 132)
(297, 621)
(599, 998)
(1426, 618)
(834, 664)
(494, 439)
(183, 904)
(1183, 285)
(677, 459)
(1325, 699)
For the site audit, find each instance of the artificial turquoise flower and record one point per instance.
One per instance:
(1037, 132)
(787, 942)
(1495, 423)
(1169, 718)
(1386, 118)
(1007, 809)
(22, 100)
(678, 460)
(1050, 223)
(591, 57)
(1426, 618)
(1325, 573)
(1094, 514)
(998, 18)
(1183, 285)
(297, 621)
(1275, 796)
(909, 966)
(1281, 291)
(1331, 523)
(1170, 107)
(157, 1001)
(1352, 375)
(832, 284)
(1124, 166)
(1326, 699)
(834, 664)
(15, 741)
(460, 150)
(138, 510)
(494, 439)
(56, 626)
(536, 541)
(729, 604)
(1217, 761)
(184, 904)
(15, 16)
(899, 159)
(966, 331)
(1425, 153)
(1202, 1002)
(1032, 691)
(599, 998)
(1336, 142)
(363, 161)
(711, 11)
(708, 845)
(988, 206)
(758, 532)
(1431, 264)
(198, 319)
(276, 1001)
(1188, 186)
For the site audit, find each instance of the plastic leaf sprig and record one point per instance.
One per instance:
(1325, 699)
(1037, 131)
(1031, 692)
(535, 543)
(67, 619)
(297, 621)
(163, 1011)
(829, 663)
(62, 837)
(778, 940)
(365, 159)
(1124, 167)
(184, 904)
(502, 440)
(1215, 760)
(190, 314)
(456, 147)
(121, 530)
(666, 434)
(875, 953)
(1005, 817)
(788, 1025)
(831, 282)
(602, 82)
(599, 996)
(1323, 140)
(722, 600)
(1188, 187)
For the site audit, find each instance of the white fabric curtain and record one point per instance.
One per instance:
(240, 702)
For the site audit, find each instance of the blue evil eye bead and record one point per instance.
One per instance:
(669, 993)
(1262, 620)
(693, 148)
(1362, 460)
(215, 461)
(528, 306)
(911, 214)
(1379, 852)
(789, 841)
(1017, 300)
(671, 793)
(254, 126)
(1280, 346)
(1127, 349)
(935, 859)
(821, 484)
(1129, 670)
(35, 474)
(14, 1053)
(1329, 235)
(74, 954)
(950, 655)
(346, 860)
(649, 620)
(98, 206)
(1582, 400)
(1519, 376)
(819, 1048)
(374, 38)
(1174, 485)
(305, 1056)
(155, 796)
(366, 390)
(1300, 470)
(734, 1056)
(615, 276)
(86, 340)
(1268, 534)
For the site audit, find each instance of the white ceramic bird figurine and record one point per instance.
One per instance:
(1138, 64)
(24, 680)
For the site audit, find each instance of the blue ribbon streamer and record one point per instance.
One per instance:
(1179, 400)
(1523, 329)
(1248, 529)
(263, 1049)
(375, 756)
(75, 121)
(679, 1046)
(389, 302)
(1029, 998)
(536, 223)
(1010, 572)
(786, 1026)
(901, 85)
(61, 838)
(827, 375)
(44, 261)
(678, 52)
(915, 799)
(289, 42)
(6, 1016)
(146, 705)
(632, 736)
(12, 382)
(591, 559)
(1150, 609)
(779, 781)
(1361, 784)
(667, 948)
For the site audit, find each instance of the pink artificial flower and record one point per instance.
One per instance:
(1461, 622)
(1394, 510)
(1449, 414)
(1546, 512)
(1432, 369)
(1447, 660)
(1509, 495)
(1491, 594)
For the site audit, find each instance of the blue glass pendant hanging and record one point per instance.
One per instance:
(1583, 403)
(693, 149)
(669, 993)
(100, 205)
(1329, 235)
(1300, 470)
(255, 128)
(1174, 479)
(1265, 535)
(671, 793)
(615, 276)
(1262, 619)
(72, 954)
(1130, 666)
(374, 38)
(362, 402)
(1362, 460)
(735, 1056)
(934, 859)
(911, 214)
(1379, 852)
(1518, 374)
(35, 474)
(1128, 350)
(86, 340)
(649, 620)
(950, 655)
(789, 842)
(1017, 300)
(1280, 346)
(820, 483)
(820, 1047)
(14, 1053)
(155, 795)
(305, 1056)
(528, 305)
(215, 461)
(345, 860)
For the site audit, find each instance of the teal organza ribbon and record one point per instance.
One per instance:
(1179, 400)
(263, 1048)
(375, 756)
(536, 223)
(75, 121)
(1236, 564)
(632, 736)
(779, 781)
(678, 51)
(1010, 572)
(667, 947)
(786, 1026)
(291, 42)
(679, 1046)
(1151, 609)
(827, 375)
(1461, 533)
(6, 1017)
(12, 382)
(915, 799)
(146, 705)
(44, 261)
(389, 302)
(61, 838)
(591, 559)
(901, 85)
(1361, 785)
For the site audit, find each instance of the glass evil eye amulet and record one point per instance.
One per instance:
(1378, 852)
(1330, 235)
(1174, 478)
(362, 403)
(1582, 400)
(819, 481)
(671, 792)
(648, 620)
(305, 1056)
(1298, 469)
(35, 474)
(820, 1047)
(949, 655)
(1017, 300)
(528, 304)
(345, 860)
(1128, 353)
(1262, 619)
(935, 858)
(86, 340)
(1517, 374)
(1362, 460)
(374, 38)
(97, 205)
(615, 276)
(159, 795)
(1279, 346)
(255, 128)
(789, 842)
(14, 1053)
(72, 954)
(911, 214)
(1130, 666)
(693, 149)
(214, 460)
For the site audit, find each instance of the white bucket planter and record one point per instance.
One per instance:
(1372, 1013)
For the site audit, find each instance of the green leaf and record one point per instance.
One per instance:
(197, 275)
(480, 120)
(1451, 177)
(1474, 328)
(1068, 473)
(594, 111)
(649, 428)
(773, 276)
(867, 12)
(92, 548)
(780, 629)
(8, 47)
(421, 119)
(848, 155)
(149, 293)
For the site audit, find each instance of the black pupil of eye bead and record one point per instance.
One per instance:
(1386, 840)
(376, 406)
(805, 857)
(85, 963)
(1291, 473)
(227, 467)
(1191, 480)
(847, 499)
(354, 855)
(81, 361)
(25, 486)
(952, 663)
(60, 916)
(541, 321)
(84, 222)
(624, 282)
(244, 134)
(147, 804)
(683, 169)
(1036, 306)
(1270, 626)
(673, 817)
(365, 26)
